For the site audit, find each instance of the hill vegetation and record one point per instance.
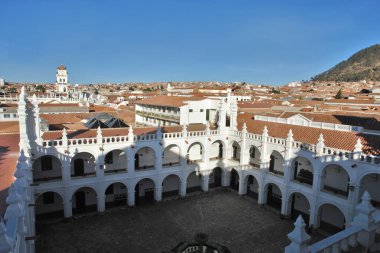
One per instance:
(363, 65)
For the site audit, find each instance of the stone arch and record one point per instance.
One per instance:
(145, 190)
(145, 158)
(330, 218)
(217, 150)
(253, 185)
(195, 152)
(83, 164)
(236, 150)
(49, 204)
(171, 155)
(254, 156)
(335, 179)
(370, 182)
(171, 185)
(276, 163)
(84, 199)
(273, 195)
(115, 161)
(302, 170)
(193, 182)
(299, 204)
(47, 168)
(215, 177)
(116, 194)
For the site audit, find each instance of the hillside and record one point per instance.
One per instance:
(363, 65)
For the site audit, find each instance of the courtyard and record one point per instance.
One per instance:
(238, 223)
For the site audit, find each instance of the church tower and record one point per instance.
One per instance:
(62, 79)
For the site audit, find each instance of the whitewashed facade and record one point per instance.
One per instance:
(322, 184)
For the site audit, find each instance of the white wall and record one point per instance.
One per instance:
(171, 183)
(91, 198)
(42, 208)
(336, 177)
(171, 155)
(332, 215)
(55, 172)
(89, 162)
(146, 157)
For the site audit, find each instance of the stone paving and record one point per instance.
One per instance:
(236, 222)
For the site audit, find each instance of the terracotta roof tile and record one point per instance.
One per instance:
(8, 158)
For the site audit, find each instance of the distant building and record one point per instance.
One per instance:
(62, 79)
(172, 110)
(2, 82)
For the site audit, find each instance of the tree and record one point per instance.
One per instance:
(12, 90)
(274, 91)
(339, 94)
(40, 88)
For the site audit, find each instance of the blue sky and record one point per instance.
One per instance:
(267, 42)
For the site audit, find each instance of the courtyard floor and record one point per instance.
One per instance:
(236, 222)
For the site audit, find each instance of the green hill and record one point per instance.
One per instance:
(364, 65)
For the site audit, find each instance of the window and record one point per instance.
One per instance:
(48, 197)
(14, 115)
(201, 110)
(190, 110)
(7, 116)
(109, 158)
(46, 163)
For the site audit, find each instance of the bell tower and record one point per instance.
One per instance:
(62, 79)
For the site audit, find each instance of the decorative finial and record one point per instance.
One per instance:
(321, 140)
(13, 200)
(290, 134)
(244, 127)
(265, 131)
(99, 131)
(358, 146)
(5, 245)
(298, 237)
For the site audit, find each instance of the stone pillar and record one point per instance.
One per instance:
(67, 203)
(67, 208)
(244, 151)
(182, 189)
(131, 197)
(242, 185)
(158, 193)
(101, 203)
(130, 162)
(261, 200)
(205, 182)
(66, 167)
(226, 178)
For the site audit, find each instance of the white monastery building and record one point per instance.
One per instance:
(330, 178)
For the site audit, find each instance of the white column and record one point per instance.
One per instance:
(67, 204)
(225, 178)
(182, 189)
(158, 193)
(101, 203)
(242, 185)
(205, 182)
(131, 197)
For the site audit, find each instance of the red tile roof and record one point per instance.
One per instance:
(9, 151)
(333, 138)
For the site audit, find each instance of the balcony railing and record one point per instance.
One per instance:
(169, 117)
(114, 171)
(44, 179)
